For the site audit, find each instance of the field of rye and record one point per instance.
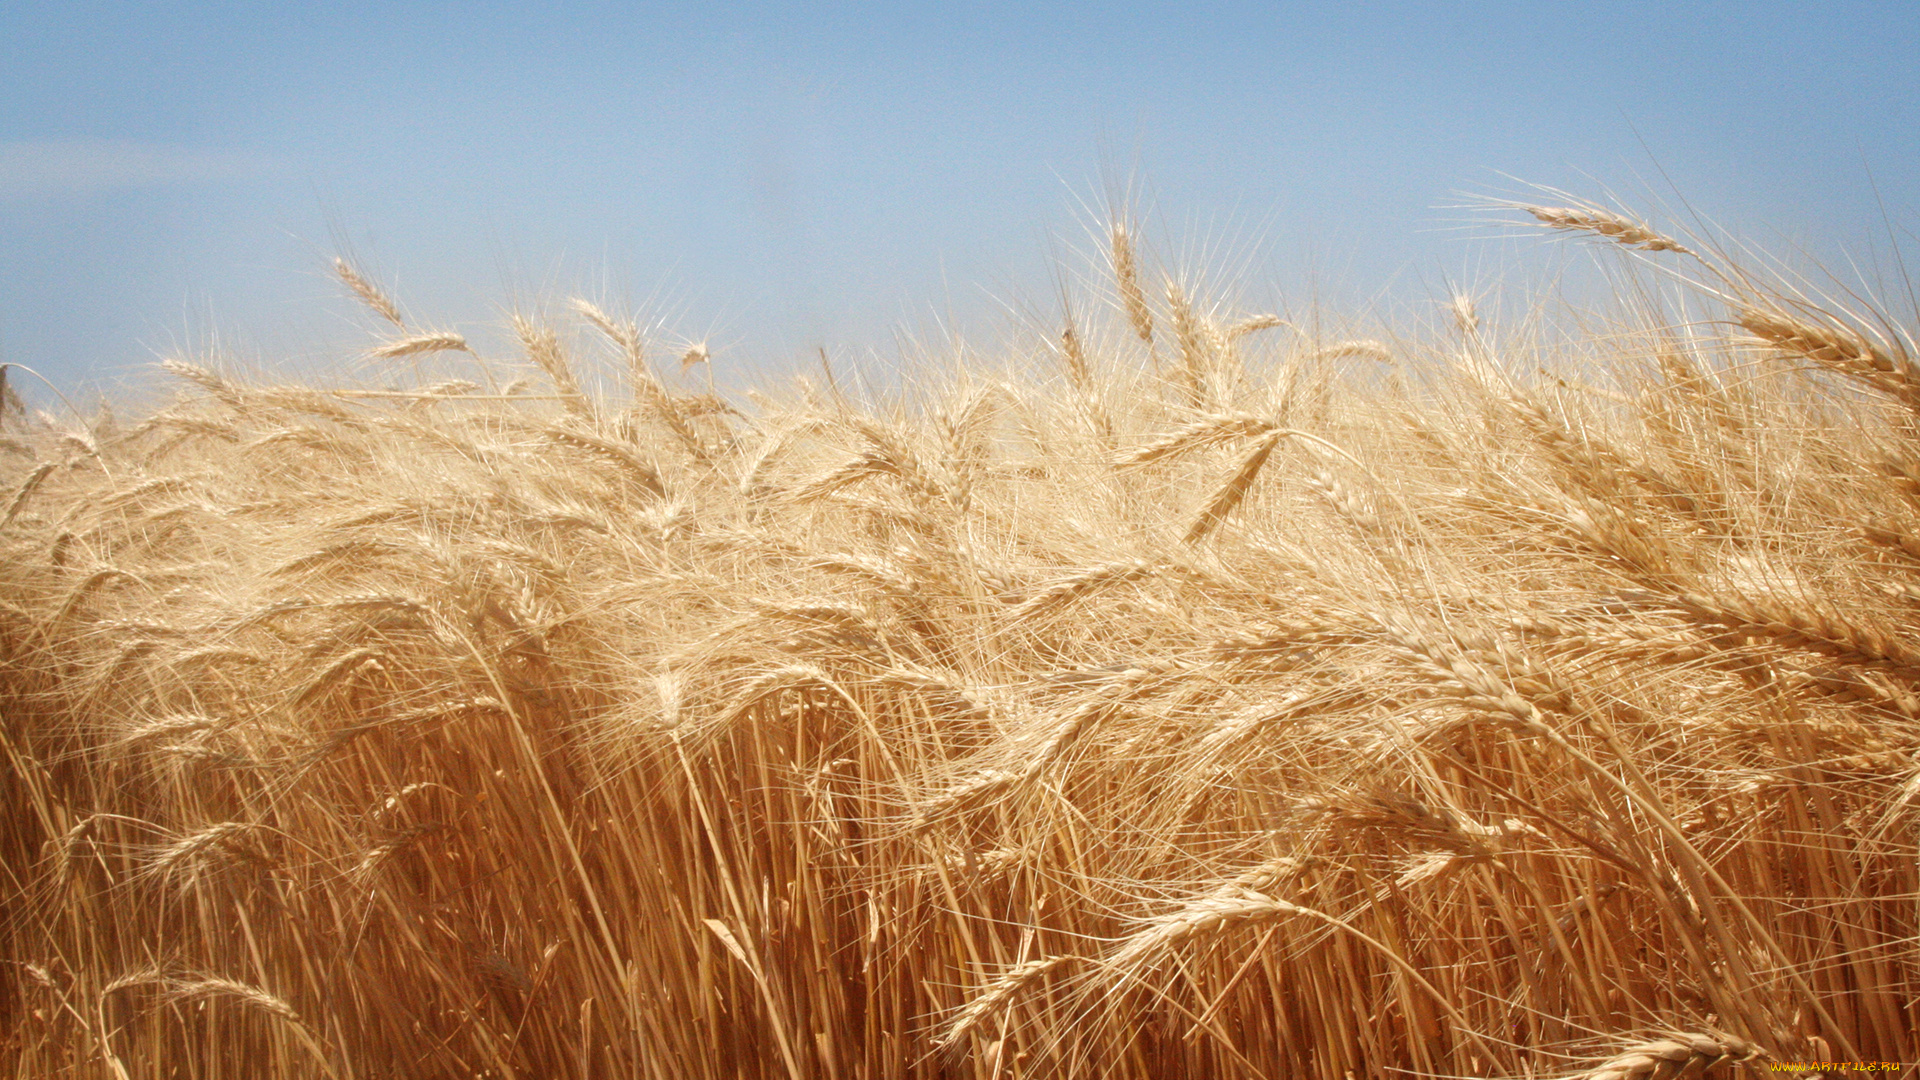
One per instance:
(1188, 694)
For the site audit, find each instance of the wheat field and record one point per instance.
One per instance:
(1187, 693)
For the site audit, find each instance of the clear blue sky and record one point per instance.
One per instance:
(786, 176)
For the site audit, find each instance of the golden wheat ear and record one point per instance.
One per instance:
(1233, 491)
(11, 407)
(368, 293)
(1680, 1055)
(419, 344)
(1126, 278)
(1615, 227)
(991, 1001)
(1836, 348)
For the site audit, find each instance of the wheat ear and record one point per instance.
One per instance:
(989, 1002)
(1208, 431)
(1254, 324)
(647, 389)
(544, 350)
(1837, 349)
(1823, 631)
(640, 375)
(25, 491)
(1357, 349)
(1675, 1056)
(1232, 493)
(1073, 352)
(1126, 276)
(1213, 914)
(420, 343)
(1081, 583)
(205, 379)
(201, 987)
(205, 986)
(1200, 918)
(1466, 318)
(624, 334)
(643, 472)
(1615, 227)
(10, 403)
(225, 836)
(368, 293)
(1194, 359)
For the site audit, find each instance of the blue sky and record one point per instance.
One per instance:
(783, 177)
